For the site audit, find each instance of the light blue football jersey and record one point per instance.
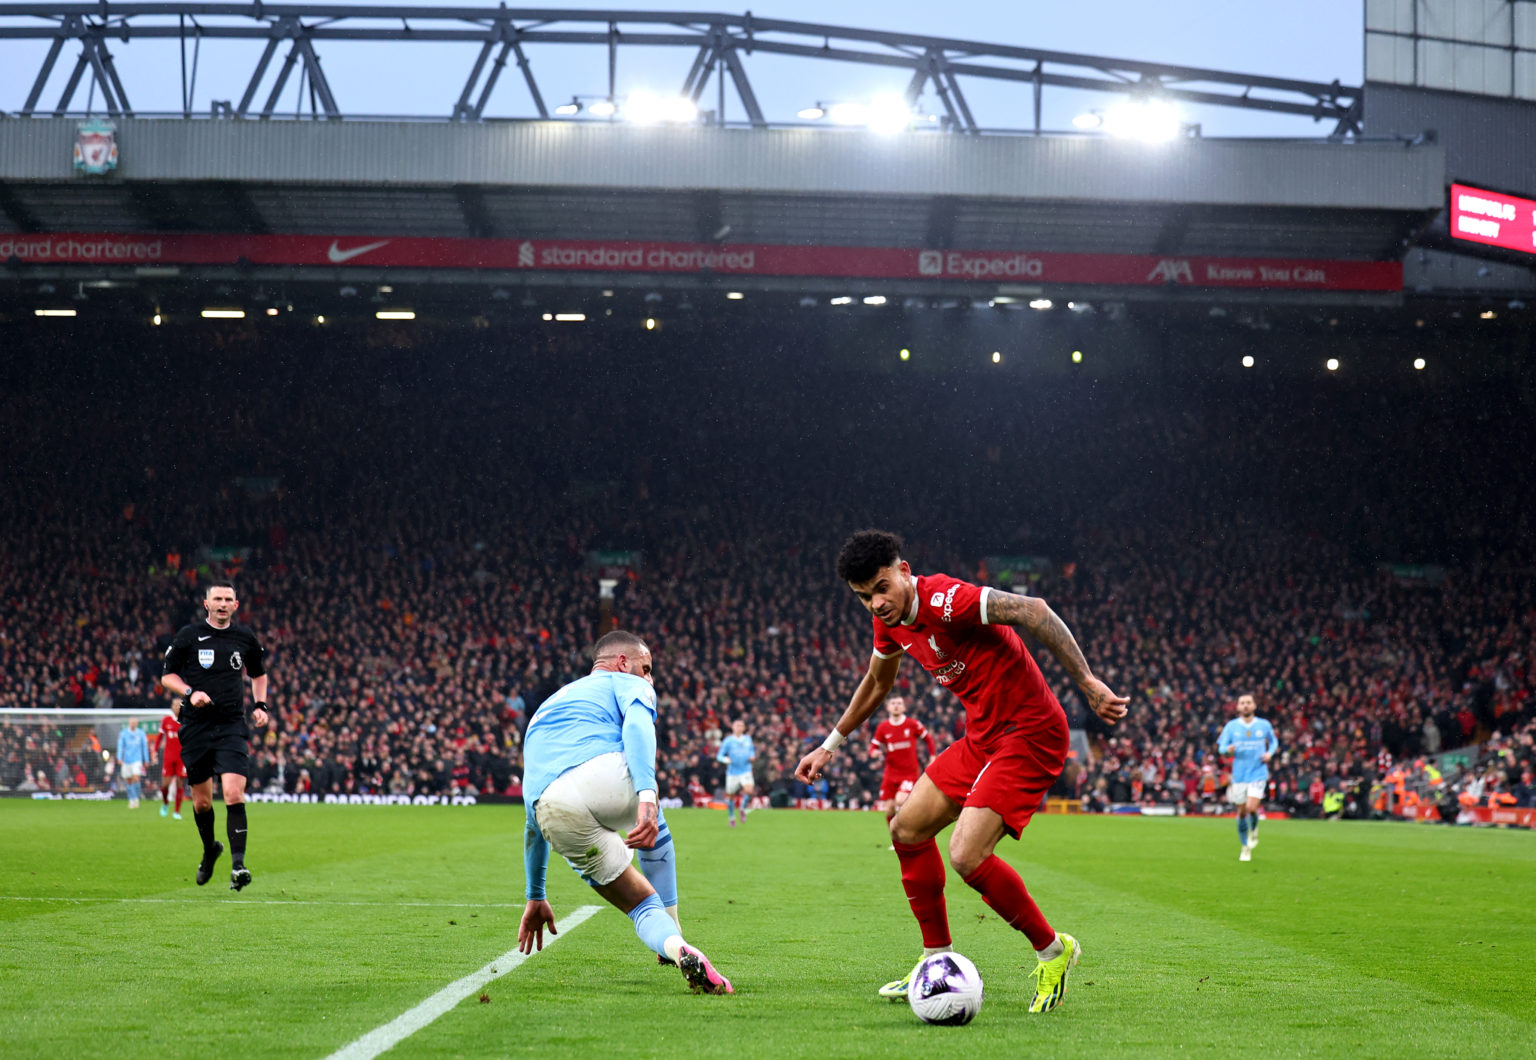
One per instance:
(736, 752)
(581, 721)
(1248, 741)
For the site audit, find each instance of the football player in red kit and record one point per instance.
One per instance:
(895, 740)
(173, 774)
(990, 781)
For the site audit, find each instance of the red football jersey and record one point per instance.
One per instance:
(170, 733)
(988, 667)
(898, 742)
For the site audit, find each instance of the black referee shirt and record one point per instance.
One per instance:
(211, 660)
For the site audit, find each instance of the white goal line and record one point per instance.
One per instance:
(261, 901)
(381, 1039)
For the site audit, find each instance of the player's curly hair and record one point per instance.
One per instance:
(865, 552)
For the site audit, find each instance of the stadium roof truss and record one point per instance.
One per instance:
(722, 44)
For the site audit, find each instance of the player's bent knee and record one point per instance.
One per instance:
(965, 860)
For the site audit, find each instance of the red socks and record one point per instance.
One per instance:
(922, 877)
(1002, 889)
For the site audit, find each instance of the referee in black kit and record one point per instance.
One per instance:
(205, 665)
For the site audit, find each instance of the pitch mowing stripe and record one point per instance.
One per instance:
(382, 1039)
(265, 901)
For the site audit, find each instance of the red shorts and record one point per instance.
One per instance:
(1011, 779)
(172, 766)
(892, 783)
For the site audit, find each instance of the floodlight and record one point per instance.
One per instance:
(53, 312)
(842, 299)
(566, 110)
(997, 357)
(813, 113)
(1418, 364)
(1040, 303)
(604, 108)
(1089, 120)
(223, 314)
(734, 296)
(644, 107)
(888, 115)
(395, 314)
(874, 299)
(1149, 120)
(1077, 356)
(905, 354)
(1247, 360)
(1333, 364)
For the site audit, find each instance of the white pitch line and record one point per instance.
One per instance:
(268, 901)
(408, 1023)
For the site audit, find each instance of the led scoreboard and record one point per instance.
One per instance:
(1493, 218)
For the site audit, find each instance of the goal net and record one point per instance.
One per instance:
(45, 753)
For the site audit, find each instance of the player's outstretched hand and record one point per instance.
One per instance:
(1109, 707)
(643, 835)
(811, 765)
(530, 933)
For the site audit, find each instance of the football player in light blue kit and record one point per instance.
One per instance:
(1251, 742)
(590, 762)
(132, 755)
(737, 752)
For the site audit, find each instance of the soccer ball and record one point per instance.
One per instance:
(945, 989)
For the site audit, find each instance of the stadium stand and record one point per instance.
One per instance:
(410, 517)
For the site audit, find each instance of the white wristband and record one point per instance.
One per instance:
(648, 795)
(833, 741)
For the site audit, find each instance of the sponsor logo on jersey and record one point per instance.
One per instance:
(949, 604)
(936, 599)
(205, 658)
(946, 674)
(933, 642)
(234, 661)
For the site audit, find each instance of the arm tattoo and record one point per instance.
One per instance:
(1054, 634)
(1044, 624)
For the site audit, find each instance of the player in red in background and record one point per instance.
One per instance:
(896, 740)
(173, 774)
(991, 780)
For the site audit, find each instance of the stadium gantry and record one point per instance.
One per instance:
(499, 189)
(722, 45)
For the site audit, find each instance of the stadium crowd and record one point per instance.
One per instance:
(414, 526)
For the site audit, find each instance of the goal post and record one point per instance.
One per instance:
(68, 752)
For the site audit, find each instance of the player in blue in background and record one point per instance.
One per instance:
(737, 752)
(1251, 742)
(590, 762)
(132, 757)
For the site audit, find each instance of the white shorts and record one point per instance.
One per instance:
(1239, 793)
(583, 812)
(735, 782)
(133, 770)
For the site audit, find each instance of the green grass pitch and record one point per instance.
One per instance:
(1338, 939)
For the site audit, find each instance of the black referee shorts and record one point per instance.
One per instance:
(220, 754)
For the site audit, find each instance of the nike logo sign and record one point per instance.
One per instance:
(208, 637)
(239, 831)
(337, 255)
